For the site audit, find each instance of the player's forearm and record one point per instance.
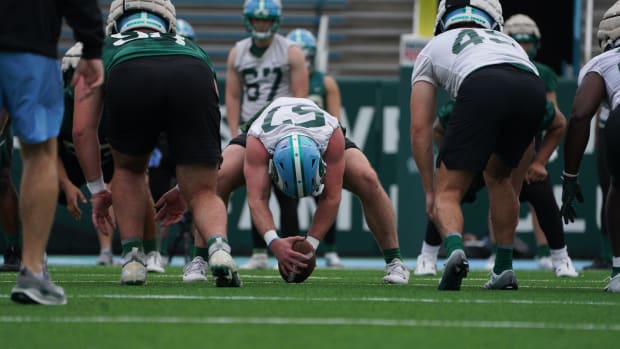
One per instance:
(549, 143)
(88, 153)
(422, 149)
(324, 217)
(261, 215)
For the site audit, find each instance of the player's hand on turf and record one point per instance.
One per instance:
(74, 197)
(282, 249)
(101, 202)
(535, 173)
(570, 192)
(170, 207)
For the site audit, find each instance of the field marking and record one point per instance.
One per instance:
(343, 299)
(352, 299)
(311, 321)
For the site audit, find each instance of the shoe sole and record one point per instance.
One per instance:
(454, 273)
(200, 278)
(28, 296)
(225, 277)
(155, 270)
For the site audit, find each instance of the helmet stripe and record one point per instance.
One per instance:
(299, 174)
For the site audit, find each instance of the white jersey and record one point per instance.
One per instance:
(451, 56)
(264, 78)
(606, 65)
(289, 114)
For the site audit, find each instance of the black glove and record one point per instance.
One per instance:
(570, 192)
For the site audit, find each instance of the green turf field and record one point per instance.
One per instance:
(347, 308)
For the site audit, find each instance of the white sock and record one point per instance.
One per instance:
(615, 262)
(559, 253)
(430, 250)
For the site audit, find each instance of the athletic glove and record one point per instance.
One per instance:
(570, 192)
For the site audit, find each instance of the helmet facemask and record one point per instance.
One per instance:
(270, 10)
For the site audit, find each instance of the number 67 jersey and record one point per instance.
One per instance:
(286, 115)
(264, 77)
(451, 56)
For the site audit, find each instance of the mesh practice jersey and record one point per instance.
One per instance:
(264, 78)
(451, 56)
(289, 114)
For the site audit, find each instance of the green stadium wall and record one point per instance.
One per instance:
(376, 115)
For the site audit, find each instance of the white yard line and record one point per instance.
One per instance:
(339, 299)
(312, 321)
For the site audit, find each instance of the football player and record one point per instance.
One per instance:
(598, 82)
(259, 69)
(144, 59)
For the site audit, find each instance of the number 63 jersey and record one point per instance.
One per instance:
(451, 56)
(289, 114)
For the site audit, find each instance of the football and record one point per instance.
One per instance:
(301, 274)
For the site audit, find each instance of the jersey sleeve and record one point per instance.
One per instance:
(423, 70)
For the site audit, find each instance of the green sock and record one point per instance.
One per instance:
(453, 242)
(202, 252)
(543, 251)
(494, 248)
(149, 245)
(503, 259)
(129, 244)
(391, 253)
(12, 239)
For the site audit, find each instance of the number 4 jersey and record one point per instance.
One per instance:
(288, 114)
(451, 56)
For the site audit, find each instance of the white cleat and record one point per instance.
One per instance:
(563, 267)
(195, 270)
(134, 268)
(154, 262)
(257, 261)
(614, 284)
(425, 265)
(545, 263)
(396, 273)
(332, 260)
(224, 269)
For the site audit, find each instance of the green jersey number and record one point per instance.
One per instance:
(302, 115)
(252, 89)
(471, 37)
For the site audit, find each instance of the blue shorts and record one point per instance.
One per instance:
(31, 92)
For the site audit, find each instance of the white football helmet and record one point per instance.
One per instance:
(125, 15)
(486, 13)
(521, 25)
(609, 28)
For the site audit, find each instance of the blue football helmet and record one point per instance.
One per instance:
(306, 40)
(297, 168)
(262, 9)
(185, 29)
